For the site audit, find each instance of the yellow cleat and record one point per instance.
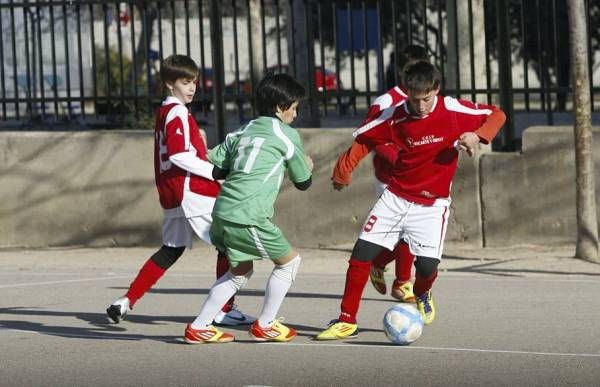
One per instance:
(426, 307)
(339, 330)
(403, 291)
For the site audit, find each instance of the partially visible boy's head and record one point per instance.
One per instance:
(277, 95)
(176, 67)
(179, 74)
(422, 81)
(411, 54)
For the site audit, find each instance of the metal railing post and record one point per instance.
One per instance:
(216, 39)
(507, 140)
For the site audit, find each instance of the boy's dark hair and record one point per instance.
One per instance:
(422, 77)
(277, 90)
(411, 54)
(176, 67)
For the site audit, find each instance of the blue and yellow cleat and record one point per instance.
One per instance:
(426, 307)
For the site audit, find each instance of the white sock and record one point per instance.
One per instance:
(279, 283)
(222, 290)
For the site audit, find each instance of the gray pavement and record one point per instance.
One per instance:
(519, 316)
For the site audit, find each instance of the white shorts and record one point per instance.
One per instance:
(393, 219)
(379, 187)
(179, 231)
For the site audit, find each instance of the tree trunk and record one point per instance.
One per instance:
(254, 12)
(587, 226)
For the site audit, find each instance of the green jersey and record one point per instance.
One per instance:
(257, 155)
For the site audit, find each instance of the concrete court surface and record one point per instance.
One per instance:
(518, 317)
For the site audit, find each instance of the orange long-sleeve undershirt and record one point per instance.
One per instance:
(492, 125)
(347, 162)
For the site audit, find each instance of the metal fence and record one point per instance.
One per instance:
(94, 63)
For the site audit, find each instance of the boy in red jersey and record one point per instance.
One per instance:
(383, 161)
(429, 131)
(186, 188)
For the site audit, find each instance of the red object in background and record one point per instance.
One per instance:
(205, 79)
(325, 81)
(329, 79)
(124, 17)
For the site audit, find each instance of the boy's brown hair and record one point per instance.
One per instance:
(422, 77)
(176, 67)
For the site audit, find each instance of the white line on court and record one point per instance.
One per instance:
(61, 282)
(488, 277)
(72, 335)
(26, 284)
(571, 278)
(348, 345)
(448, 349)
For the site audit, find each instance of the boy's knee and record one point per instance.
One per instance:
(239, 281)
(288, 271)
(366, 251)
(167, 256)
(426, 266)
(242, 268)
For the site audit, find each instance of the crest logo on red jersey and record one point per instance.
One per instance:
(425, 140)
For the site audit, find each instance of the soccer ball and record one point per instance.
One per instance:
(402, 324)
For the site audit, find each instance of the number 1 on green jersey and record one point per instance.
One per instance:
(244, 144)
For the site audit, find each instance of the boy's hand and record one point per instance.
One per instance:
(309, 162)
(467, 142)
(338, 186)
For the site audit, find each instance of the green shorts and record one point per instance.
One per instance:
(248, 242)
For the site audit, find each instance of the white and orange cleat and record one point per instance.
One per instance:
(206, 336)
(277, 332)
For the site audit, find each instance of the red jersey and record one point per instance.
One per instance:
(385, 154)
(381, 163)
(393, 97)
(427, 157)
(176, 131)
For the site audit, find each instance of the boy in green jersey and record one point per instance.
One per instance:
(253, 161)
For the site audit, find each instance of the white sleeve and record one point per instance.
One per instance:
(188, 161)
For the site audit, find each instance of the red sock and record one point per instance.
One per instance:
(148, 275)
(404, 262)
(222, 268)
(383, 258)
(423, 284)
(356, 280)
